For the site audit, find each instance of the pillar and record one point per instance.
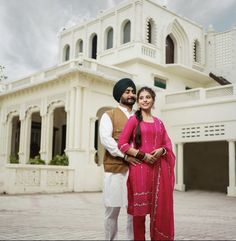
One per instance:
(180, 168)
(92, 150)
(26, 139)
(71, 118)
(49, 136)
(138, 28)
(78, 121)
(22, 140)
(85, 97)
(2, 138)
(231, 190)
(8, 139)
(43, 137)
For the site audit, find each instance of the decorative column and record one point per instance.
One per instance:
(74, 129)
(67, 129)
(92, 150)
(84, 118)
(175, 169)
(231, 189)
(2, 154)
(180, 168)
(26, 138)
(138, 21)
(43, 136)
(116, 33)
(2, 138)
(22, 140)
(77, 123)
(71, 118)
(49, 135)
(8, 138)
(43, 140)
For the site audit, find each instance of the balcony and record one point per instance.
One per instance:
(201, 114)
(200, 94)
(84, 65)
(128, 51)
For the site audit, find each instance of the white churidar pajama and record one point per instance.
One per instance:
(114, 189)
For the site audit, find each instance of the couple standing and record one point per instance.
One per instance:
(139, 166)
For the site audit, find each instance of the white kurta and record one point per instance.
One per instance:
(114, 189)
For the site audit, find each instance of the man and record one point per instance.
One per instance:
(116, 168)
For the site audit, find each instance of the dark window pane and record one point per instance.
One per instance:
(110, 39)
(127, 29)
(169, 50)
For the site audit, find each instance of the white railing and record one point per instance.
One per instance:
(129, 50)
(112, 71)
(20, 82)
(148, 51)
(60, 69)
(201, 94)
(3, 87)
(38, 178)
(226, 90)
(190, 95)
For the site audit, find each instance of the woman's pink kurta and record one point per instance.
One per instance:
(150, 186)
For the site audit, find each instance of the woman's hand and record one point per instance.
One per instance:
(149, 158)
(157, 153)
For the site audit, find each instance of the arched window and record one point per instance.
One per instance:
(109, 38)
(150, 31)
(66, 53)
(79, 47)
(169, 50)
(94, 46)
(126, 32)
(196, 51)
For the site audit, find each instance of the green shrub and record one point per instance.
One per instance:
(60, 160)
(14, 159)
(36, 161)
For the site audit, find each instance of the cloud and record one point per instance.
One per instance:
(29, 28)
(29, 42)
(220, 14)
(29, 36)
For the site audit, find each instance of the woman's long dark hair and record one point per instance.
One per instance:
(139, 116)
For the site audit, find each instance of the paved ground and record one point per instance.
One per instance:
(79, 216)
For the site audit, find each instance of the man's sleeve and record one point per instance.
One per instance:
(105, 132)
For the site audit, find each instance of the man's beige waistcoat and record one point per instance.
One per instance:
(111, 163)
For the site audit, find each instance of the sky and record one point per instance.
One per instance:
(29, 28)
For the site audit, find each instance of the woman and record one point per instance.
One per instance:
(151, 183)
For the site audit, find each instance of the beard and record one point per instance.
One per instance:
(128, 101)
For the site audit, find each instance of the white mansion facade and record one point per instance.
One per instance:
(57, 110)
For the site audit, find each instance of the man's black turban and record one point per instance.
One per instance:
(120, 87)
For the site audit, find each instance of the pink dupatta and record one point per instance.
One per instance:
(162, 213)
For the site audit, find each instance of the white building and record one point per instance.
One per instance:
(58, 110)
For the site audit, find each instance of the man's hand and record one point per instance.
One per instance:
(132, 160)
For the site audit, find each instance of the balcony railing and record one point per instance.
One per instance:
(125, 51)
(85, 64)
(200, 94)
